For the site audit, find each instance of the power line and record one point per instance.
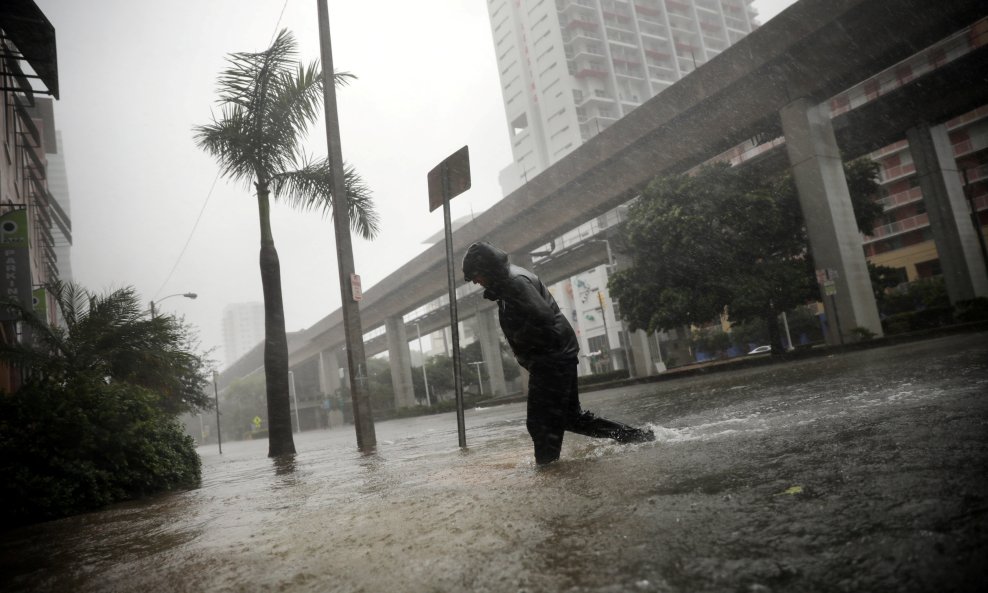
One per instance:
(192, 233)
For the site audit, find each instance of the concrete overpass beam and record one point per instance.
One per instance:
(835, 241)
(401, 362)
(961, 260)
(486, 325)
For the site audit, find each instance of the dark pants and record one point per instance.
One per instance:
(554, 407)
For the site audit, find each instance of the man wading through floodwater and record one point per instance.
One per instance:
(545, 344)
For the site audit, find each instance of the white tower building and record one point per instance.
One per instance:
(571, 68)
(243, 329)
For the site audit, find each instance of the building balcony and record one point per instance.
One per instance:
(580, 24)
(889, 150)
(590, 73)
(584, 52)
(564, 5)
(890, 174)
(581, 35)
(648, 11)
(891, 202)
(595, 99)
(906, 225)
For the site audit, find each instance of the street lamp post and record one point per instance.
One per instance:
(188, 295)
(480, 378)
(363, 418)
(425, 377)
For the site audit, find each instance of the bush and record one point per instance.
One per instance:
(917, 320)
(975, 309)
(863, 334)
(66, 450)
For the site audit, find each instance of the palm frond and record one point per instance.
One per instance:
(311, 188)
(231, 142)
(246, 79)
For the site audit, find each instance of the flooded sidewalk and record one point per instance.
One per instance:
(862, 471)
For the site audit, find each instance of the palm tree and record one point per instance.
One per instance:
(109, 338)
(268, 102)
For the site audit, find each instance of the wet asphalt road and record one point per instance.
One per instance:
(862, 471)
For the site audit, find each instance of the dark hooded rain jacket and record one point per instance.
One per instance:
(538, 333)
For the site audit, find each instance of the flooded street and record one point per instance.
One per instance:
(863, 471)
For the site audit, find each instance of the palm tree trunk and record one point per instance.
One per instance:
(280, 440)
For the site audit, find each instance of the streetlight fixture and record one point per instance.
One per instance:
(480, 378)
(188, 295)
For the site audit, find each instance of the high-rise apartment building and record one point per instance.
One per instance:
(243, 329)
(58, 185)
(571, 68)
(568, 70)
(903, 239)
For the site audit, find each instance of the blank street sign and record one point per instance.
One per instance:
(458, 172)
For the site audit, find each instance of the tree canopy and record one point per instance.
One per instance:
(723, 240)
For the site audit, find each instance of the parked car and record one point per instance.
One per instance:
(761, 350)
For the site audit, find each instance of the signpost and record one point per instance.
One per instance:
(447, 180)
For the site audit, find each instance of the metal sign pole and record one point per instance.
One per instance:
(447, 180)
(453, 317)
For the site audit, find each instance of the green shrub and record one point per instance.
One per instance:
(929, 318)
(863, 334)
(66, 450)
(975, 309)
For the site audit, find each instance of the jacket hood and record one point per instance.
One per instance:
(486, 259)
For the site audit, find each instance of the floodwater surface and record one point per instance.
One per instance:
(861, 471)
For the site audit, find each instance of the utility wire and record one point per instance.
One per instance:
(212, 187)
(191, 234)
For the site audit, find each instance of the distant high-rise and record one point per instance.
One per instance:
(58, 185)
(571, 68)
(243, 329)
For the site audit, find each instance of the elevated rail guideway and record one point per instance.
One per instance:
(769, 84)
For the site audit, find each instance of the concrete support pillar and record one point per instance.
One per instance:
(835, 242)
(329, 372)
(641, 353)
(330, 381)
(401, 362)
(486, 325)
(961, 260)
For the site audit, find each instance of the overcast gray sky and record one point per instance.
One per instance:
(136, 76)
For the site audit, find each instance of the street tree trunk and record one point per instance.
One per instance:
(280, 440)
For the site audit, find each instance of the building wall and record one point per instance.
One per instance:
(27, 134)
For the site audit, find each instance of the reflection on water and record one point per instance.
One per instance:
(698, 509)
